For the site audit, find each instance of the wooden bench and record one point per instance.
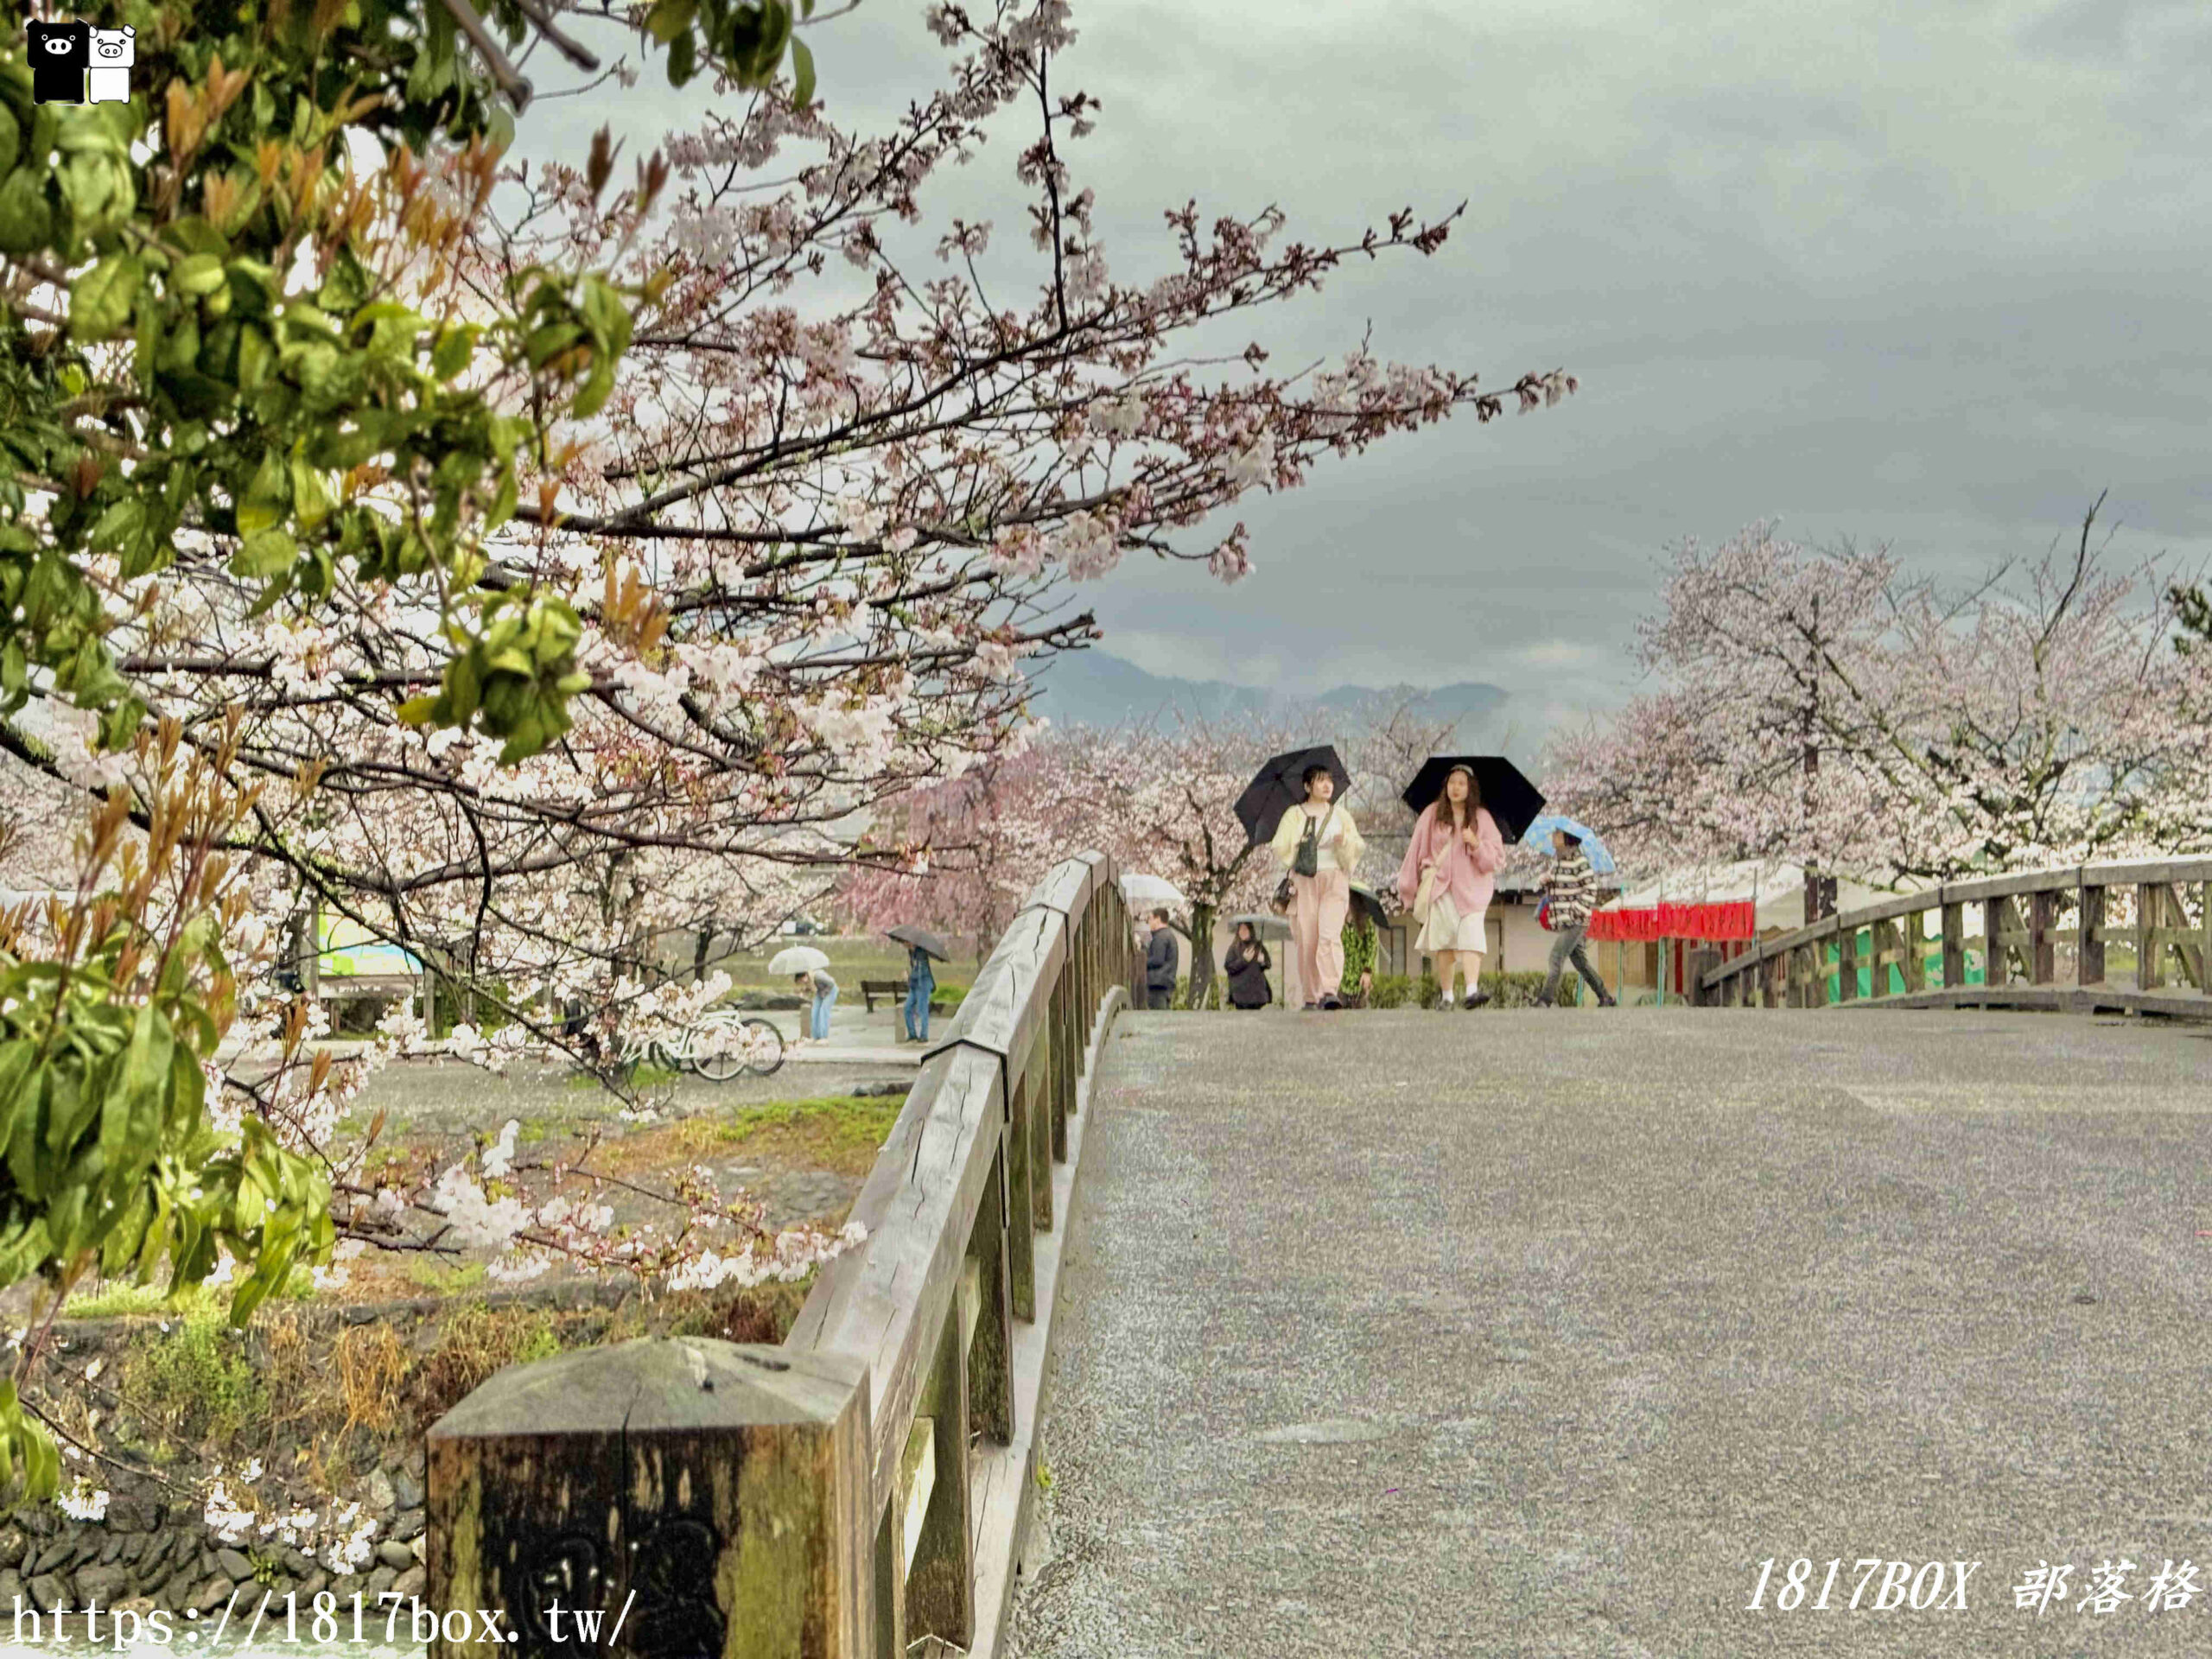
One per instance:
(894, 989)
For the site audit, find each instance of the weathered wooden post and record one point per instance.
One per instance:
(687, 1497)
(1955, 942)
(2204, 936)
(1702, 961)
(2149, 946)
(2043, 952)
(1995, 969)
(2089, 932)
(1915, 957)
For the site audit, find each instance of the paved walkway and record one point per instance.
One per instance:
(1404, 1334)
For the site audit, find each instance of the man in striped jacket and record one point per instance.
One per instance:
(1572, 887)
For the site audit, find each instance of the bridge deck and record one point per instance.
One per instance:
(1535, 1332)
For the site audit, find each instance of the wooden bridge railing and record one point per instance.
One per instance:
(866, 1484)
(2044, 939)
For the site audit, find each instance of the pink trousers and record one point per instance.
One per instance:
(1318, 904)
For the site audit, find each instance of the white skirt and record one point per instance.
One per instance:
(1473, 934)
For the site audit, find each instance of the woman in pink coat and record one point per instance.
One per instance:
(1456, 834)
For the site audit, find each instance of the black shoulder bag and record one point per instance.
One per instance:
(1306, 861)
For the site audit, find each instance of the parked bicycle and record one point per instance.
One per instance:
(720, 1045)
(724, 1044)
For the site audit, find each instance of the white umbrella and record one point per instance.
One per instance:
(1143, 890)
(797, 959)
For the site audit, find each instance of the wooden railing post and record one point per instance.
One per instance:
(940, 1573)
(653, 1475)
(990, 1351)
(2043, 950)
(2089, 933)
(1039, 1079)
(2150, 952)
(2204, 936)
(1995, 969)
(1022, 1177)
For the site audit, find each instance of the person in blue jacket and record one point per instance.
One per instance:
(921, 985)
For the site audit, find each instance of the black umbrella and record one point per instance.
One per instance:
(1279, 785)
(1366, 902)
(923, 940)
(1509, 797)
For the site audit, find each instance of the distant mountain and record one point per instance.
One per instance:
(1089, 688)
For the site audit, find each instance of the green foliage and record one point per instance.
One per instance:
(199, 1380)
(1397, 991)
(116, 1301)
(253, 411)
(831, 1132)
(2194, 608)
(260, 417)
(1359, 942)
(447, 1279)
(1181, 1002)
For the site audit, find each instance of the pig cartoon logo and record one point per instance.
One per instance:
(114, 50)
(60, 53)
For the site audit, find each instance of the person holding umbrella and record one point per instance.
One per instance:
(921, 978)
(1320, 847)
(1570, 893)
(1247, 965)
(810, 969)
(1457, 847)
(1159, 957)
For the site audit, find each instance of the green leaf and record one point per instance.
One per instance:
(683, 61)
(452, 353)
(263, 554)
(267, 497)
(671, 19)
(256, 358)
(119, 526)
(146, 1063)
(802, 71)
(26, 220)
(198, 275)
(100, 300)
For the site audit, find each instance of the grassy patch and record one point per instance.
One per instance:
(325, 1402)
(199, 1384)
(842, 1133)
(640, 1076)
(110, 1301)
(443, 1279)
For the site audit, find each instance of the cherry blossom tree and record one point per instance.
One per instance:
(525, 572)
(1834, 709)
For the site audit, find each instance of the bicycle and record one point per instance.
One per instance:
(748, 1044)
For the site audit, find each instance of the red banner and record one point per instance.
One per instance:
(1669, 920)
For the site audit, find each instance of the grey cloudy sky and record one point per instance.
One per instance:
(1927, 274)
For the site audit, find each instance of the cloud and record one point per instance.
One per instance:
(1924, 275)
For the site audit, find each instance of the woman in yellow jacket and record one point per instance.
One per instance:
(1318, 901)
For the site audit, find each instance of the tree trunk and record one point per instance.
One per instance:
(1201, 955)
(1820, 887)
(699, 953)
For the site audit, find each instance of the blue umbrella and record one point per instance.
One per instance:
(1540, 836)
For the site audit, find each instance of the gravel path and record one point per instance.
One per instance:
(1536, 1334)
